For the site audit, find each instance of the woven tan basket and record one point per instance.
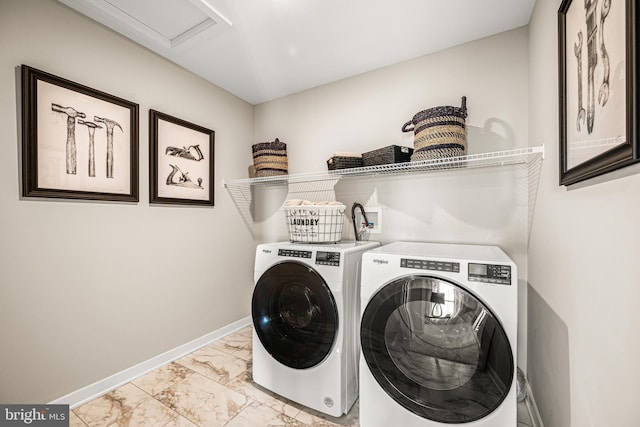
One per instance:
(270, 158)
(438, 132)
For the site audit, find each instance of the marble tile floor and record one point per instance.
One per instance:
(210, 387)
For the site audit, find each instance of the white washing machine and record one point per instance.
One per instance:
(305, 310)
(438, 334)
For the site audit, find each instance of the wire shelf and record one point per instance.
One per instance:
(318, 185)
(492, 159)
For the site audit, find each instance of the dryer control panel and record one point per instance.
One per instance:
(328, 258)
(425, 264)
(322, 257)
(294, 253)
(490, 273)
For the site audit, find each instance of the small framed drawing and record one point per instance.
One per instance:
(77, 142)
(180, 161)
(598, 74)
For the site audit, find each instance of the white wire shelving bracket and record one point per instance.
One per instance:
(316, 185)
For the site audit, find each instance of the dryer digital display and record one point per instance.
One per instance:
(490, 273)
(328, 258)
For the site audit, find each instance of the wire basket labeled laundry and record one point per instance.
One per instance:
(314, 223)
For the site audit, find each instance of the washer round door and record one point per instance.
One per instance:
(294, 314)
(436, 349)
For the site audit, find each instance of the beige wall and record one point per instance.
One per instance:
(89, 289)
(367, 112)
(583, 271)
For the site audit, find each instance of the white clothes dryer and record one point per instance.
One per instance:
(305, 310)
(438, 335)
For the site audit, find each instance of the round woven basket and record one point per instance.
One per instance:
(270, 158)
(438, 132)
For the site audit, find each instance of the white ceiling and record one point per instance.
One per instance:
(261, 50)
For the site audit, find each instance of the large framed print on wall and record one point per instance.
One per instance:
(77, 142)
(598, 73)
(181, 161)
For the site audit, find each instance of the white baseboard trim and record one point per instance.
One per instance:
(90, 392)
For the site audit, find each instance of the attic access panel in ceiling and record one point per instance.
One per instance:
(168, 26)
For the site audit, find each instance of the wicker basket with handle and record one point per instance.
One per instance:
(438, 132)
(270, 158)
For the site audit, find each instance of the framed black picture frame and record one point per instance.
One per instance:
(181, 161)
(77, 142)
(598, 85)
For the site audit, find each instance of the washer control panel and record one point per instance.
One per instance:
(490, 273)
(425, 264)
(294, 253)
(328, 258)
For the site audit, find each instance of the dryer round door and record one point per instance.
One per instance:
(436, 349)
(294, 314)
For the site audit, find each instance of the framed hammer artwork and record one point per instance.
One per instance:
(77, 142)
(181, 161)
(598, 92)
